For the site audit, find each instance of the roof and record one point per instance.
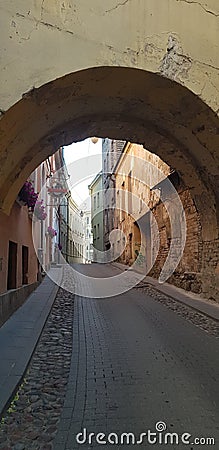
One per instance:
(99, 175)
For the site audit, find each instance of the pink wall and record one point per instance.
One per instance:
(17, 228)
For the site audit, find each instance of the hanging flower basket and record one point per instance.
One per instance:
(27, 196)
(51, 232)
(39, 210)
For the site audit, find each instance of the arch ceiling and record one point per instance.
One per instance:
(121, 103)
(142, 70)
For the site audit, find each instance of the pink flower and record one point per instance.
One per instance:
(27, 195)
(51, 231)
(39, 210)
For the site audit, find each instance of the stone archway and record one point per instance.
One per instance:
(42, 41)
(124, 104)
(141, 70)
(121, 103)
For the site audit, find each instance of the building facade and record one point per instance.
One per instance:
(111, 151)
(28, 237)
(34, 238)
(141, 214)
(88, 235)
(76, 241)
(96, 193)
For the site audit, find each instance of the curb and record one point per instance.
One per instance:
(185, 302)
(22, 341)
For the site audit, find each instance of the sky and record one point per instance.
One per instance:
(82, 159)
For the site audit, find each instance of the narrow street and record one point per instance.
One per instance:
(136, 363)
(124, 364)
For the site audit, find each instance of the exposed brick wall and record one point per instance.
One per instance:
(188, 272)
(198, 270)
(210, 269)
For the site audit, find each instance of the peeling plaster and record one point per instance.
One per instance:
(193, 58)
(175, 64)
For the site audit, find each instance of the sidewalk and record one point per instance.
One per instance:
(190, 299)
(20, 334)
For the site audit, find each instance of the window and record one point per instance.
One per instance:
(130, 192)
(141, 203)
(98, 231)
(88, 220)
(98, 200)
(95, 231)
(95, 202)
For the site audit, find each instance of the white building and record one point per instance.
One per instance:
(96, 193)
(76, 249)
(88, 236)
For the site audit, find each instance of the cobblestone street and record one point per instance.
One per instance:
(134, 363)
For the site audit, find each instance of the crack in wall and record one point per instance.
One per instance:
(62, 30)
(42, 9)
(193, 2)
(205, 64)
(117, 6)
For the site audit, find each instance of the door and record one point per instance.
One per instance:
(12, 266)
(130, 246)
(24, 264)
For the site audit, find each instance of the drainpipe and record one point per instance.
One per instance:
(59, 222)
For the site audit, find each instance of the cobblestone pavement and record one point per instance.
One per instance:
(200, 320)
(134, 362)
(138, 363)
(31, 420)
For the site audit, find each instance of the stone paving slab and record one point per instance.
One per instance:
(190, 299)
(134, 363)
(19, 336)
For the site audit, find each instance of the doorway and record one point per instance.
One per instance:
(24, 264)
(12, 266)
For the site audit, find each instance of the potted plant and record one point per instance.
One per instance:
(51, 232)
(27, 196)
(39, 210)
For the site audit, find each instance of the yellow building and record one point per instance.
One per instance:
(135, 172)
(145, 186)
